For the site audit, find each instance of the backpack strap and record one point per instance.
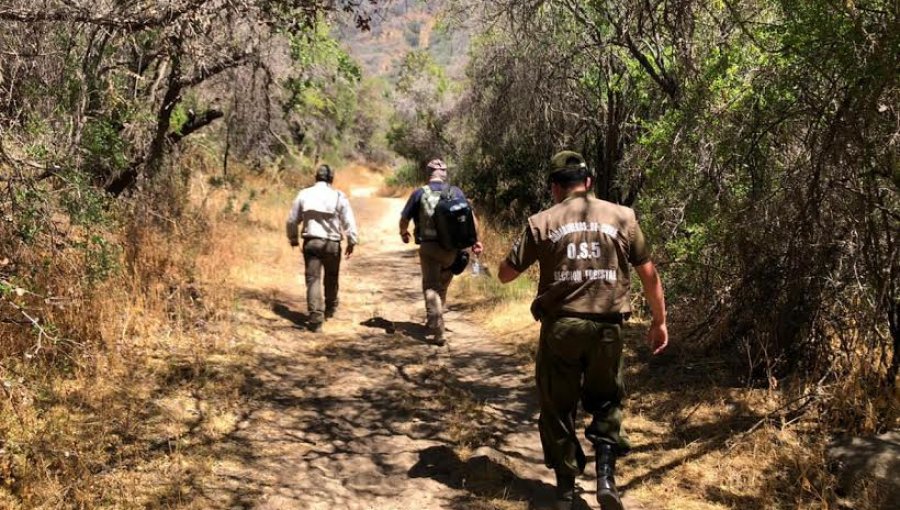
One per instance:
(445, 191)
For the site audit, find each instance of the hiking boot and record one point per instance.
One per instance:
(607, 494)
(329, 313)
(435, 326)
(315, 327)
(565, 491)
(439, 339)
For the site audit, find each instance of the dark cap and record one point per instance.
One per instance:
(566, 160)
(325, 173)
(568, 167)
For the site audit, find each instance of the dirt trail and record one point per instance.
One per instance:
(368, 415)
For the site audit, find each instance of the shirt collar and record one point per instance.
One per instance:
(579, 194)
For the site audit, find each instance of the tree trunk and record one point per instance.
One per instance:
(894, 323)
(155, 153)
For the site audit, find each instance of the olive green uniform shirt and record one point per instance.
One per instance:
(585, 247)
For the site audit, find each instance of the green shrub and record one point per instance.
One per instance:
(406, 174)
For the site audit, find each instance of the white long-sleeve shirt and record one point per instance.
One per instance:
(325, 213)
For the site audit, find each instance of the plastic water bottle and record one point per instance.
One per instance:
(476, 267)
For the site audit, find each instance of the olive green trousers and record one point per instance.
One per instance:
(579, 360)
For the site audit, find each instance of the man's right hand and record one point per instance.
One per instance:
(658, 337)
(294, 243)
(405, 237)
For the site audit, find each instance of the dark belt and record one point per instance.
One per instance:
(606, 318)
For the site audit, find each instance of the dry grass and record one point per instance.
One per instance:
(120, 414)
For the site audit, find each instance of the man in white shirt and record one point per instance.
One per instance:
(326, 216)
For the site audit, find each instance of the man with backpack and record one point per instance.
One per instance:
(585, 248)
(445, 226)
(326, 215)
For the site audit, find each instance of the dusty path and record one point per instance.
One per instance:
(368, 415)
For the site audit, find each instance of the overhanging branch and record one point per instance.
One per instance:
(196, 123)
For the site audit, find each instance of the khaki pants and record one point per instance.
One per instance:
(435, 281)
(319, 254)
(579, 359)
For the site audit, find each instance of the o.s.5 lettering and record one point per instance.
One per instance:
(583, 251)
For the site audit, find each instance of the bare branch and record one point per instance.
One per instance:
(72, 15)
(207, 72)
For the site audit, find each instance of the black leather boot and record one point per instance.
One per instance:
(607, 494)
(565, 491)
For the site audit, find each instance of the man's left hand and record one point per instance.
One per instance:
(658, 336)
(478, 248)
(294, 243)
(348, 252)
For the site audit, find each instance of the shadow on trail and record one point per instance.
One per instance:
(368, 406)
(409, 329)
(363, 407)
(301, 320)
(279, 303)
(483, 477)
(336, 405)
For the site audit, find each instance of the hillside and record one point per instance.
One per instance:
(402, 27)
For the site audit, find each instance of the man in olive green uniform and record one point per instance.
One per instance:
(585, 248)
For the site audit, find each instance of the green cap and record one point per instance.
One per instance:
(566, 160)
(567, 166)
